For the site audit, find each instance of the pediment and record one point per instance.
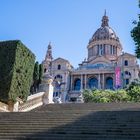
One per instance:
(128, 55)
(99, 60)
(61, 60)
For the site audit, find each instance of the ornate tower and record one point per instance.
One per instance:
(48, 60)
(49, 53)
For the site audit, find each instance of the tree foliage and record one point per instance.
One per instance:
(135, 33)
(40, 72)
(106, 96)
(16, 70)
(37, 77)
(36, 72)
(133, 91)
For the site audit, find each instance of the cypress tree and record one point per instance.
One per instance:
(40, 73)
(36, 76)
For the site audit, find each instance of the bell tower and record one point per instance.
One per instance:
(48, 60)
(49, 53)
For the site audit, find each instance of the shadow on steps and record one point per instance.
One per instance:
(102, 125)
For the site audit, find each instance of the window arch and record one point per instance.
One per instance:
(127, 73)
(109, 83)
(77, 84)
(126, 62)
(93, 83)
(58, 76)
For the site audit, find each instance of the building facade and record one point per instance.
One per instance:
(106, 66)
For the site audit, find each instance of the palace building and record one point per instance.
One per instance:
(106, 66)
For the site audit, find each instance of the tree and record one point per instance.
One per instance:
(16, 70)
(35, 76)
(135, 33)
(40, 73)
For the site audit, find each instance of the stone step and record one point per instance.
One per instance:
(74, 122)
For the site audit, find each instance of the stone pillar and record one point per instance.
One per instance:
(66, 81)
(65, 88)
(71, 81)
(99, 82)
(47, 87)
(103, 81)
(16, 105)
(85, 81)
(81, 82)
(13, 107)
(10, 105)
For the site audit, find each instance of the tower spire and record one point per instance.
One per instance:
(105, 13)
(105, 20)
(49, 53)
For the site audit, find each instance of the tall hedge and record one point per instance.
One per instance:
(16, 70)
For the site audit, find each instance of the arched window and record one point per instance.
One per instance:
(126, 62)
(45, 70)
(109, 83)
(59, 67)
(77, 84)
(127, 73)
(58, 76)
(93, 83)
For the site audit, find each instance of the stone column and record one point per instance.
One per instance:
(66, 81)
(64, 92)
(71, 82)
(85, 81)
(46, 86)
(48, 95)
(81, 81)
(103, 81)
(99, 82)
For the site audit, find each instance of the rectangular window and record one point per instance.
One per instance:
(98, 49)
(127, 81)
(110, 49)
(114, 52)
(90, 52)
(101, 49)
(104, 50)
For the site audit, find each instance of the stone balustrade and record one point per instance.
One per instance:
(32, 102)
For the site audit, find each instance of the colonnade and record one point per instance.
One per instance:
(84, 81)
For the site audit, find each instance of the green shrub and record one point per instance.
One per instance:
(87, 95)
(16, 70)
(134, 93)
(104, 96)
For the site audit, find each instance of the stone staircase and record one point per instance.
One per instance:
(73, 122)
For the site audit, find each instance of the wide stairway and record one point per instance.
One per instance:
(74, 122)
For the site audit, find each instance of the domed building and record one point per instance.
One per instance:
(106, 66)
(104, 42)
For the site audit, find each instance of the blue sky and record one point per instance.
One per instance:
(68, 24)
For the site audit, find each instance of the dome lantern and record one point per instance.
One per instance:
(105, 20)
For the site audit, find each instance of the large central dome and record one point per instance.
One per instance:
(104, 42)
(104, 32)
